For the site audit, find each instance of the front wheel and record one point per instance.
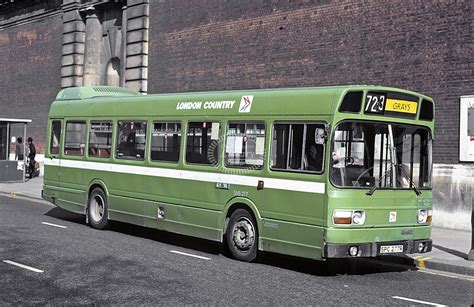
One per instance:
(242, 236)
(97, 209)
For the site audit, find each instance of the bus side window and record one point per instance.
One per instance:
(166, 141)
(131, 140)
(55, 141)
(100, 139)
(294, 148)
(245, 145)
(202, 143)
(75, 139)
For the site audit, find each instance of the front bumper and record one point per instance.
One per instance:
(331, 250)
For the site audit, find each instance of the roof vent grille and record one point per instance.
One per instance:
(86, 92)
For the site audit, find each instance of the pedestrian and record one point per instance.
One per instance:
(31, 157)
(20, 149)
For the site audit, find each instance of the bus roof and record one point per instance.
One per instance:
(111, 101)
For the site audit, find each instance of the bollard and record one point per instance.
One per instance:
(470, 257)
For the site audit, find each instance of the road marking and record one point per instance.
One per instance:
(23, 266)
(421, 261)
(416, 301)
(190, 255)
(54, 225)
(453, 275)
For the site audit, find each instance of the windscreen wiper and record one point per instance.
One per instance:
(387, 171)
(413, 184)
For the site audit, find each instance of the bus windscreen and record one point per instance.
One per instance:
(388, 156)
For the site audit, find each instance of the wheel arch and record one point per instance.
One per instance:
(96, 183)
(242, 203)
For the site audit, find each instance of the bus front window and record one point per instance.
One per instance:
(381, 155)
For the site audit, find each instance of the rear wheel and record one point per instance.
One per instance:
(242, 236)
(97, 209)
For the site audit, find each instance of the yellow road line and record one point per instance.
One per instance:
(420, 261)
(456, 276)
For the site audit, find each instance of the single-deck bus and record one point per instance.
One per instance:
(328, 172)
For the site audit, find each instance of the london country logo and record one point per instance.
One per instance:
(245, 104)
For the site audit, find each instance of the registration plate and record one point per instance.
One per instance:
(388, 249)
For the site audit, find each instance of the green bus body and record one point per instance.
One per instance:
(293, 210)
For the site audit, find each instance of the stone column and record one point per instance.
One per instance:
(136, 50)
(72, 61)
(93, 47)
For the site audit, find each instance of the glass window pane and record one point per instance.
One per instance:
(294, 147)
(245, 145)
(55, 141)
(280, 146)
(314, 153)
(131, 140)
(202, 143)
(100, 139)
(166, 142)
(363, 155)
(75, 138)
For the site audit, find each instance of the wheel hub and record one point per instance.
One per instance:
(97, 208)
(243, 234)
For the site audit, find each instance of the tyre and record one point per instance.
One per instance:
(97, 209)
(242, 236)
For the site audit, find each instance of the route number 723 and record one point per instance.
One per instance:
(375, 103)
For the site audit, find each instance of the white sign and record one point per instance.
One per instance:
(245, 104)
(466, 141)
(392, 218)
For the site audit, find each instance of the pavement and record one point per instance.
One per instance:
(449, 254)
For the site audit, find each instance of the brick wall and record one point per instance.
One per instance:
(426, 46)
(30, 72)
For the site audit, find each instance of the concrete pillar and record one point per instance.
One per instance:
(72, 61)
(93, 48)
(136, 49)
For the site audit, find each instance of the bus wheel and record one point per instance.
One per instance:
(97, 209)
(241, 236)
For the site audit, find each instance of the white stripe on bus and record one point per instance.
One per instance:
(271, 183)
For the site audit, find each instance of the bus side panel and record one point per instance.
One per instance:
(137, 199)
(292, 238)
(293, 222)
(73, 186)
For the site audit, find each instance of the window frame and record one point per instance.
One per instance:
(374, 121)
(180, 143)
(253, 166)
(84, 151)
(219, 151)
(300, 122)
(129, 158)
(61, 133)
(111, 138)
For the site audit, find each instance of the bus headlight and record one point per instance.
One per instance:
(422, 216)
(348, 217)
(358, 217)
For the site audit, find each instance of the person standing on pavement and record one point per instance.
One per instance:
(31, 157)
(20, 149)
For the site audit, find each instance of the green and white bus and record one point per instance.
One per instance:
(328, 172)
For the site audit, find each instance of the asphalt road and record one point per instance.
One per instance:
(135, 265)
